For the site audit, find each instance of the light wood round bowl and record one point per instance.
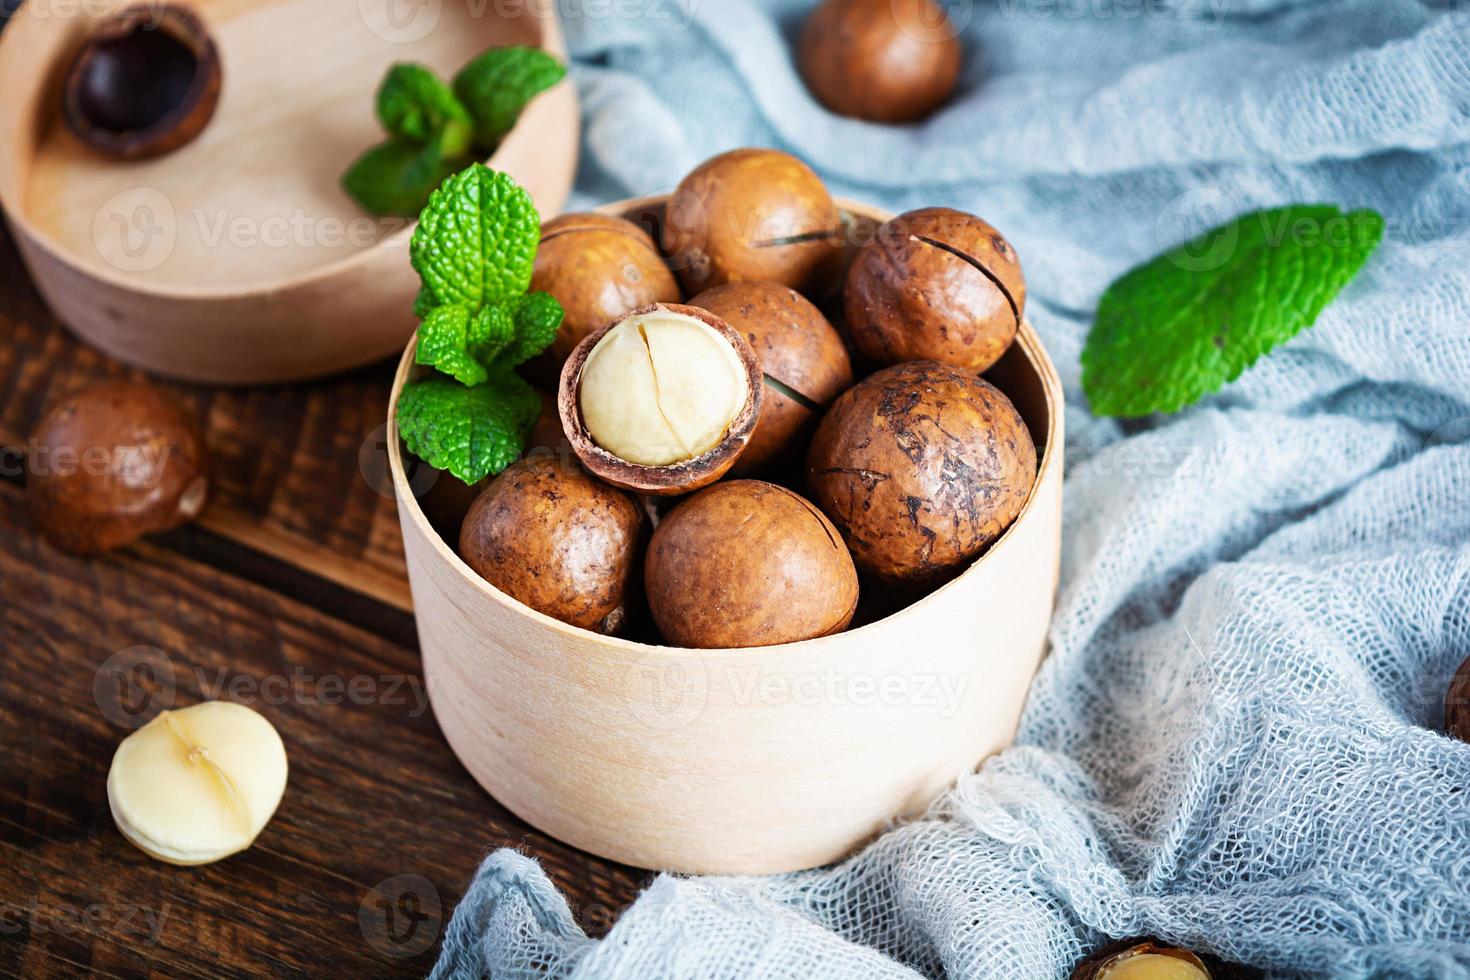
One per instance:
(238, 258)
(744, 761)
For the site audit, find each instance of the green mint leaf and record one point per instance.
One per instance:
(496, 86)
(459, 341)
(418, 105)
(397, 177)
(471, 432)
(1180, 326)
(537, 318)
(475, 242)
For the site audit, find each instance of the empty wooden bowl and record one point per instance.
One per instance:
(238, 258)
(743, 761)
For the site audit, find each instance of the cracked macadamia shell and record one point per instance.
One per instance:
(751, 215)
(113, 462)
(921, 466)
(1145, 959)
(561, 541)
(598, 267)
(745, 563)
(935, 284)
(662, 401)
(801, 355)
(887, 61)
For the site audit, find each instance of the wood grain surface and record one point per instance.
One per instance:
(296, 575)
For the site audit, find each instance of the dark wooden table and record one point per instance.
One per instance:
(288, 595)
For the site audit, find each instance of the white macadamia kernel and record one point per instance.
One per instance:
(197, 784)
(661, 388)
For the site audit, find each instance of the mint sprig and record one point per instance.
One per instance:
(474, 248)
(435, 130)
(1182, 325)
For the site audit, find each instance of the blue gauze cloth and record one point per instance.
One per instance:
(1234, 743)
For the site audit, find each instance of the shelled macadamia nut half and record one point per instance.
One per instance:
(662, 401)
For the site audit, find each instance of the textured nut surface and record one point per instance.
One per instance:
(113, 462)
(144, 83)
(746, 563)
(598, 267)
(1457, 704)
(750, 215)
(921, 466)
(801, 355)
(882, 60)
(557, 539)
(197, 784)
(1142, 959)
(683, 475)
(935, 284)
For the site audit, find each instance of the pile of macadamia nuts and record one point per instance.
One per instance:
(733, 468)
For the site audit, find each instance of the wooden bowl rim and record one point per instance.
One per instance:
(551, 40)
(1026, 339)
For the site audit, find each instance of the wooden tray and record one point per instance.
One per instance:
(722, 761)
(238, 258)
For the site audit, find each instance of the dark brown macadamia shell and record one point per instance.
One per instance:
(1457, 704)
(935, 284)
(145, 82)
(745, 563)
(113, 462)
(598, 267)
(677, 478)
(552, 536)
(801, 355)
(751, 215)
(921, 466)
(888, 61)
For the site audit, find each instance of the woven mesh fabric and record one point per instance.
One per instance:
(1233, 744)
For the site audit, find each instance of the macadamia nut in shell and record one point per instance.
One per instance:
(745, 563)
(802, 358)
(935, 284)
(561, 541)
(751, 215)
(921, 466)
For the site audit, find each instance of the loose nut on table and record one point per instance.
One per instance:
(662, 401)
(111, 463)
(197, 784)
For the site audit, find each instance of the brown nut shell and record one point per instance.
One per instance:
(113, 462)
(746, 563)
(751, 215)
(145, 82)
(801, 355)
(935, 284)
(888, 61)
(676, 478)
(599, 267)
(1457, 704)
(1107, 960)
(921, 466)
(557, 539)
